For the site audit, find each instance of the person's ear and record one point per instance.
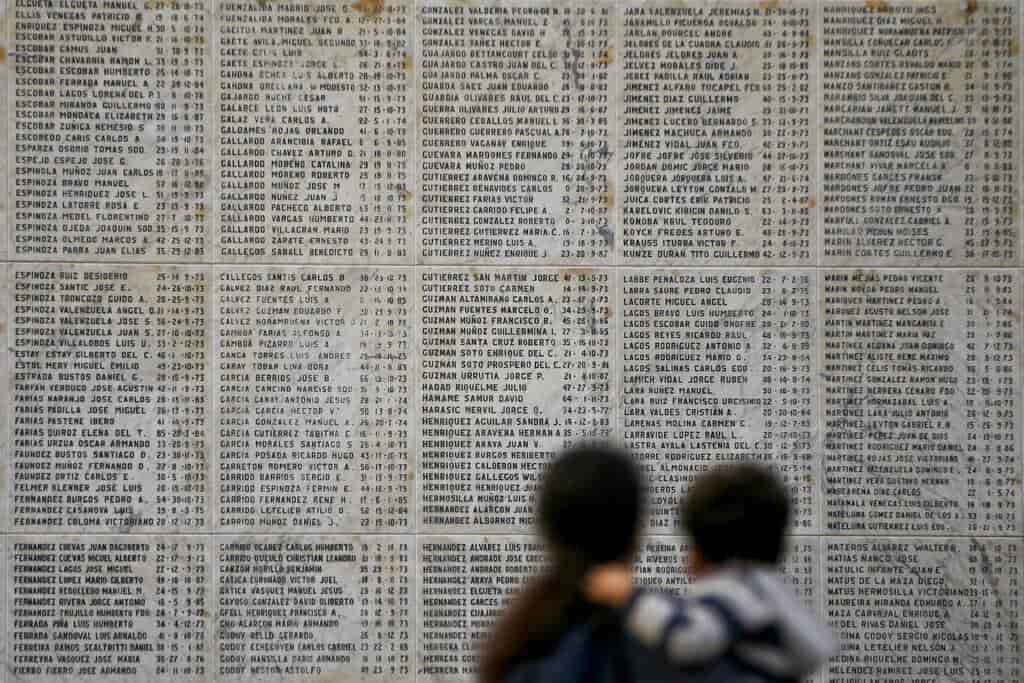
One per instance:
(697, 565)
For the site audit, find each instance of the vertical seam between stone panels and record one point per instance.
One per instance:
(211, 196)
(618, 229)
(819, 323)
(412, 129)
(413, 267)
(7, 87)
(818, 311)
(416, 456)
(211, 192)
(6, 542)
(414, 143)
(213, 481)
(1018, 64)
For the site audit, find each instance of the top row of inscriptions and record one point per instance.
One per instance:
(474, 131)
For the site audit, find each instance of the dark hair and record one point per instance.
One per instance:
(589, 509)
(591, 504)
(738, 511)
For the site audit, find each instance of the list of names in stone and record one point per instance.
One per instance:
(921, 393)
(717, 137)
(921, 159)
(113, 607)
(109, 149)
(935, 609)
(514, 365)
(465, 582)
(314, 399)
(314, 135)
(109, 398)
(315, 608)
(718, 365)
(516, 132)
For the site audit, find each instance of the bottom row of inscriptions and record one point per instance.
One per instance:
(402, 607)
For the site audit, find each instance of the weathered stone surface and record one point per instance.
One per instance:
(301, 297)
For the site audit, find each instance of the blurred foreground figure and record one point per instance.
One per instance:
(739, 621)
(589, 511)
(582, 620)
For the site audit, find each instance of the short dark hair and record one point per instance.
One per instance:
(737, 511)
(592, 502)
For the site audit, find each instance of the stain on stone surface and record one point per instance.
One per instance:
(608, 198)
(407, 64)
(877, 5)
(569, 273)
(3, 55)
(1014, 47)
(769, 4)
(369, 8)
(607, 57)
(809, 39)
(404, 194)
(969, 7)
(812, 202)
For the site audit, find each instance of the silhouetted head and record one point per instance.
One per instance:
(591, 503)
(738, 511)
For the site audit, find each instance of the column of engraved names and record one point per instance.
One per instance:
(718, 365)
(911, 609)
(109, 398)
(716, 132)
(515, 142)
(466, 582)
(920, 398)
(313, 136)
(106, 607)
(920, 140)
(109, 129)
(514, 366)
(313, 369)
(296, 608)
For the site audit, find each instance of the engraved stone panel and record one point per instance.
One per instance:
(300, 608)
(109, 398)
(717, 139)
(920, 135)
(921, 398)
(313, 368)
(109, 152)
(514, 365)
(515, 131)
(717, 366)
(313, 135)
(910, 608)
(112, 607)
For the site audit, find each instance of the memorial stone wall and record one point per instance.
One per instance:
(300, 296)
